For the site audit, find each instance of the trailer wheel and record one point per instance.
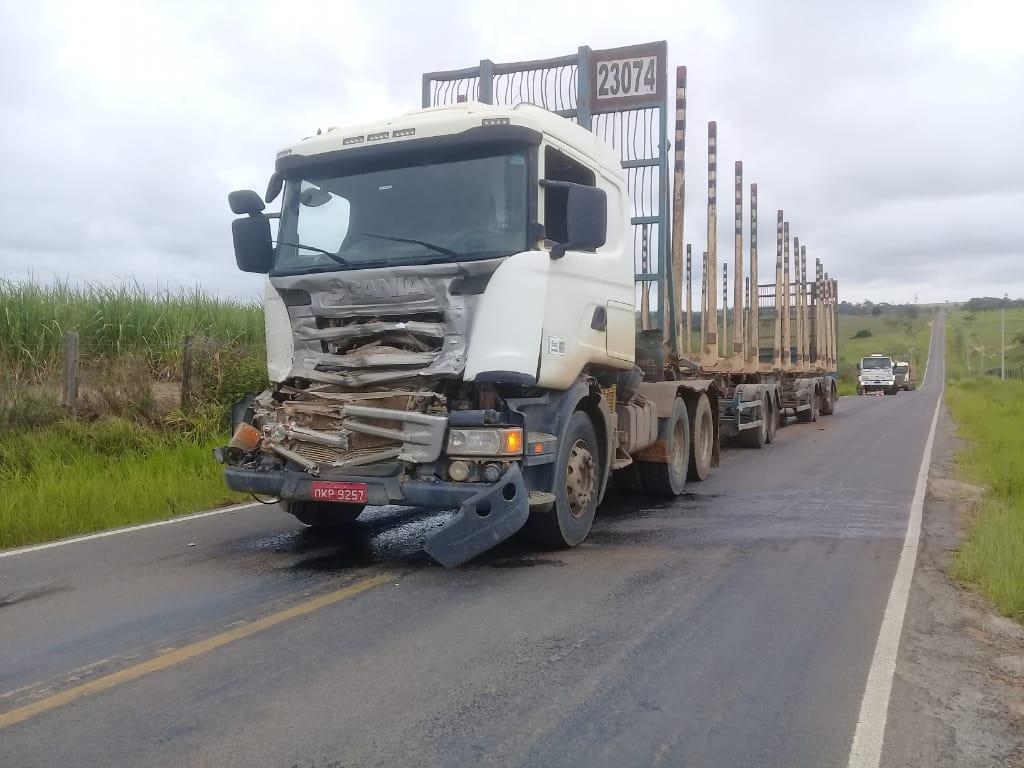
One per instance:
(669, 479)
(773, 418)
(756, 438)
(577, 487)
(323, 515)
(702, 439)
(828, 403)
(812, 414)
(780, 414)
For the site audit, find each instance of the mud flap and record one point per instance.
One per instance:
(483, 521)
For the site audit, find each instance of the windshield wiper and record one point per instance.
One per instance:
(424, 243)
(330, 255)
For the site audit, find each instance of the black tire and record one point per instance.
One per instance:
(812, 414)
(756, 438)
(828, 403)
(773, 419)
(669, 479)
(892, 391)
(702, 439)
(569, 520)
(323, 515)
(780, 415)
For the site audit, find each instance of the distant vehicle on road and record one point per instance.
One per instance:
(876, 375)
(904, 376)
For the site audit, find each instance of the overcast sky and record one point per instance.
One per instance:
(891, 133)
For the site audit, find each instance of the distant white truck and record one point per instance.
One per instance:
(876, 374)
(904, 376)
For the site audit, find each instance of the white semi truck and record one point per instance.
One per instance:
(875, 373)
(451, 317)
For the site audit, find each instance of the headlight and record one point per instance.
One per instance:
(507, 441)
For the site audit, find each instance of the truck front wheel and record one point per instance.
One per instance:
(577, 487)
(323, 515)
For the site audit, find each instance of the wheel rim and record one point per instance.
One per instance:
(580, 478)
(678, 448)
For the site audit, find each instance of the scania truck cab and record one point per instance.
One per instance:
(450, 324)
(875, 374)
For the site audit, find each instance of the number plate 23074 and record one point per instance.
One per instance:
(345, 493)
(627, 77)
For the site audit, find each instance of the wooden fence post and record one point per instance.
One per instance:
(186, 373)
(69, 372)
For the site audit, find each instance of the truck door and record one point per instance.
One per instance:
(589, 315)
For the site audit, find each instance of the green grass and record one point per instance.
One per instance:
(973, 339)
(121, 458)
(72, 478)
(901, 336)
(114, 321)
(990, 417)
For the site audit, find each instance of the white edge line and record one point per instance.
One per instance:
(866, 749)
(128, 529)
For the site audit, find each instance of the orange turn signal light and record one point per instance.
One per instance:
(513, 441)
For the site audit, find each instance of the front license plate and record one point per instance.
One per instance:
(345, 493)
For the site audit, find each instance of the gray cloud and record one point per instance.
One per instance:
(889, 132)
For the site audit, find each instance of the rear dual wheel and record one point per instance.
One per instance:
(773, 418)
(828, 402)
(702, 432)
(812, 413)
(669, 478)
(757, 437)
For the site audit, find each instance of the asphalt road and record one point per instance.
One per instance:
(732, 627)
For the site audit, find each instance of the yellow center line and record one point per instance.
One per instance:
(187, 652)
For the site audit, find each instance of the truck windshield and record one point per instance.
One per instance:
(447, 211)
(874, 363)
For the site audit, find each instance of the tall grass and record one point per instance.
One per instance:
(119, 458)
(989, 415)
(73, 478)
(113, 321)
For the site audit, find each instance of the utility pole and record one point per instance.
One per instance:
(1002, 340)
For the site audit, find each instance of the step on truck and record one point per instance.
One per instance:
(475, 306)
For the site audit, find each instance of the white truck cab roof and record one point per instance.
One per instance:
(454, 119)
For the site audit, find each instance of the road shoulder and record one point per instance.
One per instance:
(958, 693)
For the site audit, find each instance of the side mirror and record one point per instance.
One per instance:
(586, 218)
(245, 201)
(254, 251)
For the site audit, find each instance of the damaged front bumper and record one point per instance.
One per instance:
(488, 513)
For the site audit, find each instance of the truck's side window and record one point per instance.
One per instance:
(560, 167)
